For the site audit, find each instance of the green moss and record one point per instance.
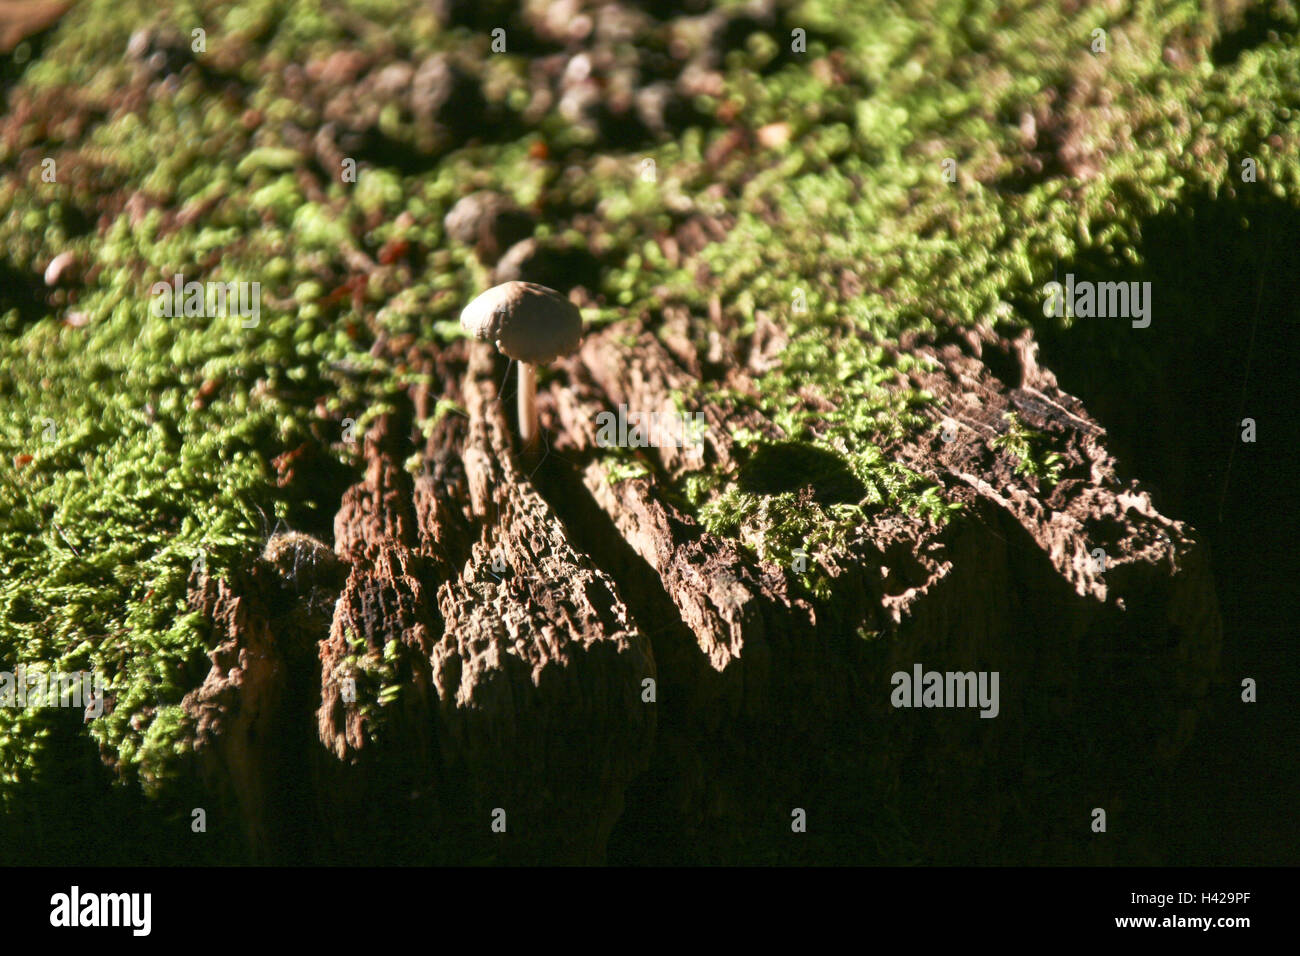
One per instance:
(624, 470)
(100, 525)
(1027, 446)
(379, 675)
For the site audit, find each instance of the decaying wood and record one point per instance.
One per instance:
(521, 615)
(250, 740)
(526, 668)
(1007, 586)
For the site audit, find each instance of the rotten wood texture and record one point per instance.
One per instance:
(521, 671)
(1006, 586)
(250, 740)
(511, 621)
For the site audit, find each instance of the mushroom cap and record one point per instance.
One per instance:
(526, 321)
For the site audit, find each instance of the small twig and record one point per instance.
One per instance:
(65, 538)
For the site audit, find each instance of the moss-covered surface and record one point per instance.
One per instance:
(130, 444)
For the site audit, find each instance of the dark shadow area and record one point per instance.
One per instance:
(27, 51)
(1223, 345)
(82, 816)
(23, 291)
(789, 466)
(1265, 23)
(654, 827)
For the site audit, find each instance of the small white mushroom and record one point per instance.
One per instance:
(532, 324)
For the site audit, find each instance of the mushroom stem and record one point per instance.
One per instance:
(529, 430)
